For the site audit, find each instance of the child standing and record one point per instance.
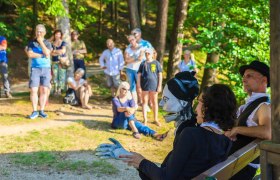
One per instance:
(149, 81)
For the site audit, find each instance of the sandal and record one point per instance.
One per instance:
(161, 137)
(136, 135)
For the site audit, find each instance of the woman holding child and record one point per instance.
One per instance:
(196, 149)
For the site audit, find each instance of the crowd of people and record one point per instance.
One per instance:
(220, 128)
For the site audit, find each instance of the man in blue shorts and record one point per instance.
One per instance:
(39, 50)
(4, 66)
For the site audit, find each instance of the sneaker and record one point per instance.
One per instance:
(34, 115)
(42, 114)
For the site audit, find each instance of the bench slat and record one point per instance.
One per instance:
(234, 163)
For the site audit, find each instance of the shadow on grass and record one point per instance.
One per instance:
(91, 124)
(80, 164)
(87, 115)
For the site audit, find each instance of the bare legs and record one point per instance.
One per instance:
(85, 93)
(153, 96)
(34, 97)
(43, 97)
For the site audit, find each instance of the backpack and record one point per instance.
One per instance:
(70, 97)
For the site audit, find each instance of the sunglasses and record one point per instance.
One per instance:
(125, 89)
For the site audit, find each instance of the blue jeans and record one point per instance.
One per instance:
(121, 122)
(4, 72)
(132, 79)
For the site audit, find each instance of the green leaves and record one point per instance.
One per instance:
(237, 30)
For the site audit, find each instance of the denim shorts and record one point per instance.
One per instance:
(113, 81)
(132, 79)
(40, 77)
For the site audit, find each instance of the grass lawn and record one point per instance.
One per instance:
(51, 148)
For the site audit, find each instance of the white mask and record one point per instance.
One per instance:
(171, 104)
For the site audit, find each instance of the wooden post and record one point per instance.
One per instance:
(270, 150)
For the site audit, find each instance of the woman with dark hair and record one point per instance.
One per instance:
(195, 149)
(58, 73)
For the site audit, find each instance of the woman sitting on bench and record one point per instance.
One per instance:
(196, 149)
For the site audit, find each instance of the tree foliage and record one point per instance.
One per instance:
(237, 30)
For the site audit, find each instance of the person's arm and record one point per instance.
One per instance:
(128, 59)
(71, 83)
(138, 85)
(141, 55)
(262, 131)
(57, 52)
(45, 49)
(174, 164)
(32, 54)
(101, 60)
(159, 88)
(123, 109)
(121, 60)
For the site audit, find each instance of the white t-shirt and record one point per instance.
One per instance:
(134, 54)
(75, 83)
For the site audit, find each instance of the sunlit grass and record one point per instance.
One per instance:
(57, 161)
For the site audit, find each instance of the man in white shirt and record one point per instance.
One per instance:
(112, 62)
(254, 117)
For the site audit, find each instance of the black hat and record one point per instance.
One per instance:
(184, 86)
(257, 66)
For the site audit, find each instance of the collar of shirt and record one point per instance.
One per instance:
(255, 96)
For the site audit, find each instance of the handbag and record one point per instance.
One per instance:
(71, 98)
(64, 61)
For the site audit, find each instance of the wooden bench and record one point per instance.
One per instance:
(234, 163)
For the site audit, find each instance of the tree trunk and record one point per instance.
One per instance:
(177, 35)
(34, 18)
(142, 11)
(209, 75)
(161, 27)
(112, 10)
(116, 19)
(100, 19)
(133, 14)
(63, 23)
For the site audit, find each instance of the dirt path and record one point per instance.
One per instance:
(65, 116)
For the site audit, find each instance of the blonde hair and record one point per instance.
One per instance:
(126, 85)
